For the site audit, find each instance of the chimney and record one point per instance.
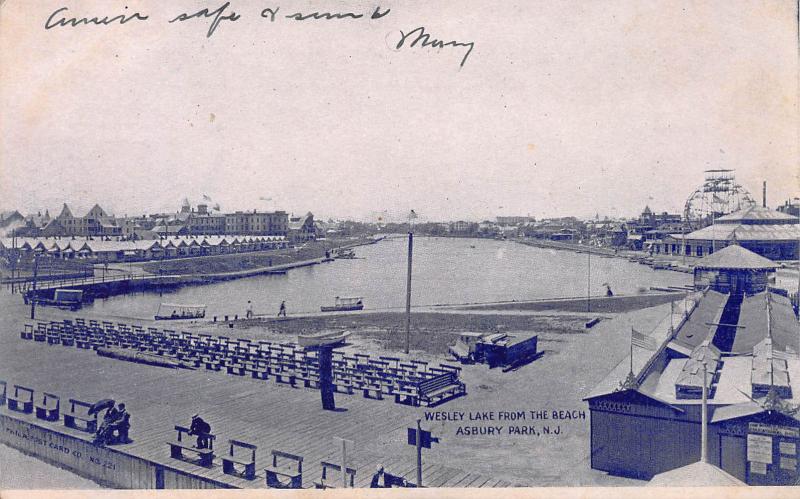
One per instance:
(764, 195)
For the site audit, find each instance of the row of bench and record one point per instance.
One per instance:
(285, 471)
(47, 407)
(412, 383)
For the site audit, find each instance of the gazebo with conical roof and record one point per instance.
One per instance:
(734, 270)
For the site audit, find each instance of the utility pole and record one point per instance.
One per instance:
(408, 289)
(683, 242)
(33, 292)
(589, 281)
(704, 418)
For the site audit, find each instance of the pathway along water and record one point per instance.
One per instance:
(446, 271)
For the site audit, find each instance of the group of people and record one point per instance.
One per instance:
(116, 420)
(249, 312)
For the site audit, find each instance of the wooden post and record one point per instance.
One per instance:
(408, 290)
(419, 453)
(344, 464)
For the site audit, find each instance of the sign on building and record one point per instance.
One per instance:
(759, 449)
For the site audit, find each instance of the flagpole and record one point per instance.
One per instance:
(704, 418)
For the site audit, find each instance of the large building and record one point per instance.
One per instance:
(740, 341)
(769, 233)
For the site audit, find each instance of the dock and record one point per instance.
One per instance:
(266, 414)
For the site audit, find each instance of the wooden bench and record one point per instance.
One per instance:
(40, 334)
(48, 407)
(230, 461)
(334, 481)
(407, 393)
(176, 448)
(79, 411)
(54, 334)
(373, 385)
(286, 374)
(27, 332)
(259, 369)
(82, 338)
(342, 384)
(308, 375)
(293, 471)
(67, 338)
(236, 367)
(440, 388)
(212, 363)
(21, 400)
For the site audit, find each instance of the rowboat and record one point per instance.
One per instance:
(174, 311)
(322, 338)
(345, 305)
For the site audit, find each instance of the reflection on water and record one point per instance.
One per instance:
(446, 270)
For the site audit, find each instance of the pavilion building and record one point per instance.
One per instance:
(769, 233)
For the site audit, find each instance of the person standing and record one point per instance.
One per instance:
(249, 314)
(282, 311)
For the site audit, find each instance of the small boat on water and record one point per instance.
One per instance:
(345, 305)
(65, 299)
(174, 311)
(347, 254)
(322, 338)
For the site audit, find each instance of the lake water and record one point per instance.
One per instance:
(445, 271)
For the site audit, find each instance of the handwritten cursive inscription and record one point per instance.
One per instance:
(217, 15)
(425, 40)
(55, 20)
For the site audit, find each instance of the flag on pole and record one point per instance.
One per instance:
(412, 215)
(642, 340)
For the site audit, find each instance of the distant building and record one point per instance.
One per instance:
(462, 227)
(10, 219)
(518, 220)
(767, 232)
(254, 222)
(740, 341)
(302, 229)
(791, 207)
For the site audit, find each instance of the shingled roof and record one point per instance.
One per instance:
(735, 257)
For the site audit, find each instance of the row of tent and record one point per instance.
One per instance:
(117, 250)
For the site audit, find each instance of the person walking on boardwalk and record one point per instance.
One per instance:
(249, 313)
(282, 311)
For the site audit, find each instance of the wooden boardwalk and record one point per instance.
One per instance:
(264, 413)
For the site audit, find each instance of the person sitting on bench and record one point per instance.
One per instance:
(200, 428)
(383, 480)
(116, 419)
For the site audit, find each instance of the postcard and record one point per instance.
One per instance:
(459, 245)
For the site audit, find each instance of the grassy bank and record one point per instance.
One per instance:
(236, 262)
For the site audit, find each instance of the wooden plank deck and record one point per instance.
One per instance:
(260, 412)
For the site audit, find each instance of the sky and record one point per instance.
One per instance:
(569, 109)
